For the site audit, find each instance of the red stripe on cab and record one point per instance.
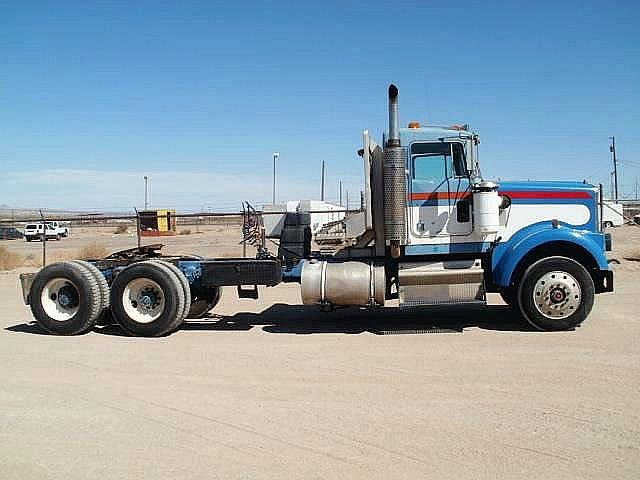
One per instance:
(550, 194)
(439, 196)
(521, 194)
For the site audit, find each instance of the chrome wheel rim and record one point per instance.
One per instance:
(143, 300)
(60, 299)
(557, 295)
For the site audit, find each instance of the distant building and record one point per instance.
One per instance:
(326, 213)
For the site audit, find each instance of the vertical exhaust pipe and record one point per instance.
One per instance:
(394, 122)
(395, 181)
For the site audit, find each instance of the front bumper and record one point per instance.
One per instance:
(603, 281)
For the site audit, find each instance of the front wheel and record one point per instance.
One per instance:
(556, 293)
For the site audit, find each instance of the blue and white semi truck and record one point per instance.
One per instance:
(432, 232)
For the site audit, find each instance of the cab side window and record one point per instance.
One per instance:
(437, 161)
(429, 168)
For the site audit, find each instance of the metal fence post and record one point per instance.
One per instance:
(44, 240)
(138, 227)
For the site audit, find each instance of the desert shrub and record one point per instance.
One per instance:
(185, 231)
(10, 260)
(32, 261)
(92, 251)
(121, 229)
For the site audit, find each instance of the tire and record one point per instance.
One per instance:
(65, 299)
(203, 300)
(183, 281)
(608, 224)
(100, 280)
(58, 237)
(556, 293)
(157, 286)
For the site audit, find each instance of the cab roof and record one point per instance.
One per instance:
(432, 134)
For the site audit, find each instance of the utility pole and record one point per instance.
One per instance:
(611, 187)
(146, 193)
(347, 193)
(340, 191)
(276, 155)
(322, 184)
(612, 149)
(636, 189)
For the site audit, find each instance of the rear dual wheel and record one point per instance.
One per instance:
(67, 298)
(149, 298)
(105, 311)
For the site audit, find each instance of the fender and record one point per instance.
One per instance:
(507, 255)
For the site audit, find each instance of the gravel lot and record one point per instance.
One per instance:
(271, 389)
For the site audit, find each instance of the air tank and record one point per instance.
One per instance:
(486, 207)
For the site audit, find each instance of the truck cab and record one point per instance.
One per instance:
(439, 233)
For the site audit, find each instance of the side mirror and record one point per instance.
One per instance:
(506, 202)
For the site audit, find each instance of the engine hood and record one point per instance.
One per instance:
(531, 186)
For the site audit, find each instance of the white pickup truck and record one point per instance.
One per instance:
(55, 231)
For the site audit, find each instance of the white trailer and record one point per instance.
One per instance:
(612, 214)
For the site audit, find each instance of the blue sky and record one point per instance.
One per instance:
(197, 95)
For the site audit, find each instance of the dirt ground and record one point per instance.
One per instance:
(272, 389)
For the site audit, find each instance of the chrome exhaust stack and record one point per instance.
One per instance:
(395, 181)
(394, 122)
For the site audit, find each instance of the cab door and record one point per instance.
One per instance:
(439, 198)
